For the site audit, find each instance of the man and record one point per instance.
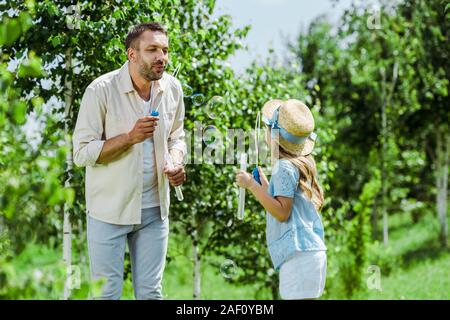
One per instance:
(123, 149)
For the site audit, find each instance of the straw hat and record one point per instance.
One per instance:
(295, 123)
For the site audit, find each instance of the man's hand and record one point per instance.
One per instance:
(143, 129)
(176, 176)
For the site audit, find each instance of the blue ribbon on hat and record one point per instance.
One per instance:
(273, 124)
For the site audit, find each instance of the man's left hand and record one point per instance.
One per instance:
(176, 176)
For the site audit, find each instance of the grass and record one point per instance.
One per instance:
(415, 266)
(421, 269)
(428, 279)
(178, 283)
(424, 270)
(178, 277)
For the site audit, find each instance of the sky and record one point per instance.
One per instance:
(274, 21)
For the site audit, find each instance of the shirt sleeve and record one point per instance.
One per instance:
(87, 136)
(285, 179)
(177, 135)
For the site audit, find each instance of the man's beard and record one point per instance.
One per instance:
(145, 70)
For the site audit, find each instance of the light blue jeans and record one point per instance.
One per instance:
(147, 243)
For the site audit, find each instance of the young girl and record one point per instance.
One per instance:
(293, 198)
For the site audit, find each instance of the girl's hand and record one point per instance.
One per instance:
(244, 179)
(263, 178)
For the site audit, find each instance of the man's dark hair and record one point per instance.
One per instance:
(137, 30)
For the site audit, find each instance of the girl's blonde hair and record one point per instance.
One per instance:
(308, 182)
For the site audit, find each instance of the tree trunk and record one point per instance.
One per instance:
(385, 228)
(442, 163)
(375, 220)
(82, 235)
(67, 228)
(387, 100)
(197, 264)
(383, 161)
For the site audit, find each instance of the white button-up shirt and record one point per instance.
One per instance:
(111, 106)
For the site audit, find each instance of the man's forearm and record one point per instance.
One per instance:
(177, 156)
(113, 148)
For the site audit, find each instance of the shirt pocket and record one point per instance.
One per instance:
(115, 124)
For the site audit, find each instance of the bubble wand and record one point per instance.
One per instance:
(155, 112)
(169, 161)
(241, 203)
(167, 156)
(255, 169)
(177, 69)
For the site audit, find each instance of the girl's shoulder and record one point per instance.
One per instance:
(283, 167)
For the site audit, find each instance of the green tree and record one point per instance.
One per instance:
(374, 84)
(427, 26)
(30, 169)
(199, 44)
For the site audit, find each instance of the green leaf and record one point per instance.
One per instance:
(31, 67)
(69, 196)
(55, 40)
(10, 31)
(25, 20)
(19, 112)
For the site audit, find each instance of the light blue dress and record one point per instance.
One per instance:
(297, 245)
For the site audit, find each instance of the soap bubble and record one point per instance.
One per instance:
(228, 269)
(187, 90)
(211, 136)
(213, 105)
(198, 99)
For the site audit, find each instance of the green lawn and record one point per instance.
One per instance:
(428, 279)
(424, 271)
(178, 284)
(414, 267)
(178, 278)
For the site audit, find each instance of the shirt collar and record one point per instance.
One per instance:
(127, 85)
